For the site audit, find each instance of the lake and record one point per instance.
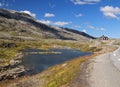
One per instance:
(36, 60)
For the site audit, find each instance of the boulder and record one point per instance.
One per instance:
(12, 73)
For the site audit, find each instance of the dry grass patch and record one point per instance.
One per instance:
(63, 73)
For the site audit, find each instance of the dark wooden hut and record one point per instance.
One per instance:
(104, 38)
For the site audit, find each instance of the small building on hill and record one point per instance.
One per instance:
(104, 38)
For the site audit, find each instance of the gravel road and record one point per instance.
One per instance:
(102, 71)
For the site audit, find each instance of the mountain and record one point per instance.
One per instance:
(14, 24)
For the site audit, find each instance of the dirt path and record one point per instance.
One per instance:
(104, 73)
(98, 72)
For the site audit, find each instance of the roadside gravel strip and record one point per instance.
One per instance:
(105, 70)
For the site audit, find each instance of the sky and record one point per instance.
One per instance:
(95, 17)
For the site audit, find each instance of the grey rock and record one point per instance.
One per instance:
(12, 73)
(14, 62)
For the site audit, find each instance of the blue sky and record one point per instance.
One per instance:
(96, 17)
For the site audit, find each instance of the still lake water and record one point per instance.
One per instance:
(37, 62)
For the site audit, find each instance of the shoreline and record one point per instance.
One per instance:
(13, 70)
(41, 79)
(82, 78)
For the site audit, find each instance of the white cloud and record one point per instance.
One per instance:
(48, 22)
(110, 11)
(79, 15)
(95, 28)
(49, 15)
(1, 4)
(82, 2)
(4, 4)
(28, 12)
(102, 29)
(59, 23)
(91, 27)
(77, 26)
(84, 30)
(51, 5)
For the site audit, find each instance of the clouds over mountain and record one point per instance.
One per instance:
(84, 30)
(48, 22)
(28, 12)
(57, 23)
(95, 28)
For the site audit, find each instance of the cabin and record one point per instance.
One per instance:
(104, 38)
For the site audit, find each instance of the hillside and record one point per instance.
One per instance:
(14, 24)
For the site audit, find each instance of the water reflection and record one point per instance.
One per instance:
(38, 60)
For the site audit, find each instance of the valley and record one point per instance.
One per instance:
(33, 54)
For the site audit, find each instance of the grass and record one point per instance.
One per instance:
(117, 42)
(62, 74)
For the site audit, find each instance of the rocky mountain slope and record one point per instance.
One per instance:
(14, 24)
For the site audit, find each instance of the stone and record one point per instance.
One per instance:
(12, 73)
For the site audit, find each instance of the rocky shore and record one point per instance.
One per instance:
(12, 69)
(12, 73)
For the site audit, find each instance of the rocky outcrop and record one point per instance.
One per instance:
(14, 62)
(12, 69)
(12, 73)
(7, 45)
